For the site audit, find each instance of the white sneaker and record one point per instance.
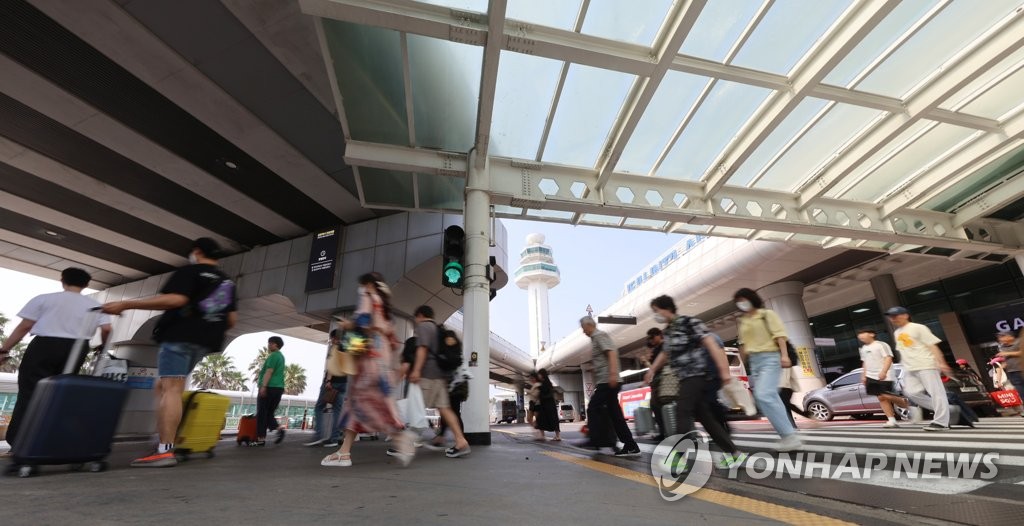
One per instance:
(789, 443)
(916, 415)
(315, 443)
(890, 424)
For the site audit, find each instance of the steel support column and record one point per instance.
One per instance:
(476, 303)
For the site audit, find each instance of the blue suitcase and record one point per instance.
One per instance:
(70, 420)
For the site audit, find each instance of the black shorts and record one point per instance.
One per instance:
(877, 387)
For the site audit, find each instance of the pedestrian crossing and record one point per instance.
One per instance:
(826, 447)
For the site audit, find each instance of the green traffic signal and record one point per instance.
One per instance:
(453, 274)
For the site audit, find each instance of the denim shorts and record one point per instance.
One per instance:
(178, 359)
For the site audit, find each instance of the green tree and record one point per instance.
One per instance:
(236, 381)
(294, 379)
(216, 371)
(17, 353)
(257, 363)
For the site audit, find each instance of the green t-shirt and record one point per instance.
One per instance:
(274, 361)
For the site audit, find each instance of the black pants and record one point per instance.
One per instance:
(692, 402)
(456, 405)
(606, 420)
(786, 394)
(265, 408)
(711, 388)
(44, 357)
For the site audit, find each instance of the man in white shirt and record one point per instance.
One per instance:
(877, 374)
(921, 360)
(57, 321)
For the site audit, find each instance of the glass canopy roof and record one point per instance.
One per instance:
(759, 117)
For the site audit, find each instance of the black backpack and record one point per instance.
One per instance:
(449, 349)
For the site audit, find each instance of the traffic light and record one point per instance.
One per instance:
(453, 268)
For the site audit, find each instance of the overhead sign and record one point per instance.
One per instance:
(323, 255)
(982, 325)
(675, 254)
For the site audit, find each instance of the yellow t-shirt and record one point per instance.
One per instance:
(913, 341)
(758, 336)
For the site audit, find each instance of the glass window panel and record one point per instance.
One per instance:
(978, 181)
(550, 214)
(999, 100)
(590, 102)
(624, 21)
(598, 219)
(372, 85)
(386, 187)
(718, 27)
(445, 90)
(934, 145)
(674, 97)
(784, 133)
(895, 24)
(1012, 62)
(526, 85)
(835, 129)
(646, 223)
(726, 109)
(480, 6)
(440, 192)
(560, 14)
(778, 43)
(934, 44)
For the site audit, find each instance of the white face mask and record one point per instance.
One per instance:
(744, 306)
(361, 290)
(193, 259)
(660, 319)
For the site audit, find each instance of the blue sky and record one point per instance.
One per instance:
(595, 264)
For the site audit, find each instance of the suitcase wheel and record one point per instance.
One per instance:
(96, 467)
(210, 454)
(27, 471)
(182, 457)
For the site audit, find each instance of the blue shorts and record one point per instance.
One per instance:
(178, 359)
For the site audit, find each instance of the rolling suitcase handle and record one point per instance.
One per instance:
(81, 347)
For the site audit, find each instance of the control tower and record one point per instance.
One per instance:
(537, 273)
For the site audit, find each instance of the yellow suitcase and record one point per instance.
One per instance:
(202, 419)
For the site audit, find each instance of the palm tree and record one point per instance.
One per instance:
(294, 379)
(257, 363)
(236, 381)
(17, 352)
(214, 372)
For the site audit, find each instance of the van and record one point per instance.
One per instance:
(566, 413)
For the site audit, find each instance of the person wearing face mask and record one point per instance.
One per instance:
(689, 345)
(200, 306)
(762, 339)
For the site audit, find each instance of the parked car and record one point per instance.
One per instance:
(566, 413)
(972, 391)
(846, 396)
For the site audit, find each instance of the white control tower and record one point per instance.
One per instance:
(537, 273)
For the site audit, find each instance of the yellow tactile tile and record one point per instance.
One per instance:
(760, 508)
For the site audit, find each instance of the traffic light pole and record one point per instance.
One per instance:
(476, 303)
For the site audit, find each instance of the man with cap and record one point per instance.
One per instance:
(199, 307)
(922, 360)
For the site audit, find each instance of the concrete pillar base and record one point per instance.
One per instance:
(479, 439)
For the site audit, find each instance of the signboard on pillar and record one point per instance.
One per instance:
(805, 355)
(323, 256)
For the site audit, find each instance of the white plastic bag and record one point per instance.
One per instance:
(411, 409)
(740, 396)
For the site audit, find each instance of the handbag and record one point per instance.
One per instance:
(668, 385)
(340, 363)
(790, 350)
(1006, 398)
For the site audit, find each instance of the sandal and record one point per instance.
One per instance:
(340, 460)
